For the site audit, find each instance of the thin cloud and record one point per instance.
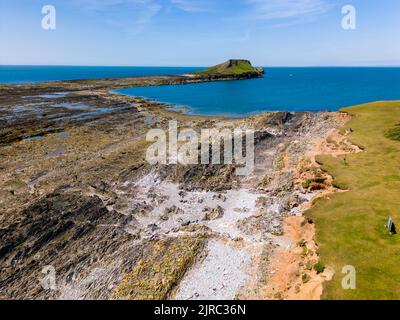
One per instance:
(287, 9)
(102, 5)
(129, 15)
(192, 6)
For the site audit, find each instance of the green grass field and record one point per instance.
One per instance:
(351, 225)
(237, 67)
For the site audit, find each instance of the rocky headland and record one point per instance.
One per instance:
(76, 193)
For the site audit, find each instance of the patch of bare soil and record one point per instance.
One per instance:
(289, 271)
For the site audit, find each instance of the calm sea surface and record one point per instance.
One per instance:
(20, 74)
(289, 89)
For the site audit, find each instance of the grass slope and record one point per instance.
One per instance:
(231, 67)
(351, 225)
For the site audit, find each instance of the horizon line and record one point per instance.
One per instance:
(189, 66)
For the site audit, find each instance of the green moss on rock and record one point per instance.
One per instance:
(156, 274)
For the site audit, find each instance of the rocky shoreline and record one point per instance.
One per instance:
(77, 194)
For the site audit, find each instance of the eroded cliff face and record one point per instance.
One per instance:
(242, 76)
(78, 195)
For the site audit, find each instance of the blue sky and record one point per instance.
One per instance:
(200, 32)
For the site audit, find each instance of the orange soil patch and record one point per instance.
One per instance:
(289, 273)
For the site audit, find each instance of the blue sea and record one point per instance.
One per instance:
(26, 74)
(285, 88)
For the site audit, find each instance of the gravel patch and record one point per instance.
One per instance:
(218, 277)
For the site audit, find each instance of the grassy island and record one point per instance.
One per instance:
(233, 67)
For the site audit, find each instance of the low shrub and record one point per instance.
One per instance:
(393, 133)
(319, 267)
